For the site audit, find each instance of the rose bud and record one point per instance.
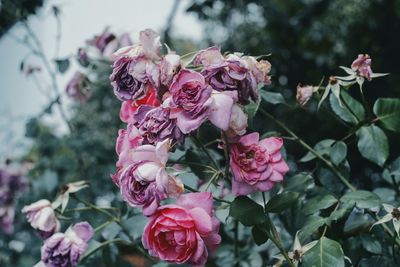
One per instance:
(304, 93)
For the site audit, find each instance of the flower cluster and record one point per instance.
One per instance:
(164, 99)
(12, 184)
(59, 249)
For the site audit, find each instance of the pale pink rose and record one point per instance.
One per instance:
(42, 217)
(304, 93)
(238, 122)
(169, 66)
(185, 232)
(362, 64)
(257, 165)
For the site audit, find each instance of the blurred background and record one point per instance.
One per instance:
(39, 42)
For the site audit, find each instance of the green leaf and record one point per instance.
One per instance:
(192, 157)
(356, 112)
(280, 202)
(251, 108)
(326, 253)
(62, 65)
(272, 97)
(338, 152)
(188, 58)
(322, 147)
(312, 224)
(363, 199)
(259, 234)
(246, 211)
(370, 244)
(373, 144)
(388, 112)
(299, 183)
(318, 203)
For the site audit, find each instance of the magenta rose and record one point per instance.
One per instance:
(362, 65)
(192, 102)
(185, 232)
(257, 165)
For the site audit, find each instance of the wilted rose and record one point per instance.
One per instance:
(65, 249)
(42, 217)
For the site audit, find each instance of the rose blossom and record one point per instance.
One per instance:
(106, 43)
(169, 66)
(233, 73)
(42, 217)
(304, 93)
(155, 125)
(256, 165)
(192, 102)
(134, 68)
(184, 232)
(65, 249)
(143, 180)
(7, 214)
(362, 64)
(127, 140)
(238, 122)
(77, 89)
(128, 108)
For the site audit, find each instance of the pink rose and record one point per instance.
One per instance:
(127, 140)
(256, 165)
(193, 102)
(184, 232)
(362, 64)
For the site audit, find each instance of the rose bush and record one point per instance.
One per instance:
(201, 177)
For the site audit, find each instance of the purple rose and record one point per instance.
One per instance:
(77, 89)
(7, 219)
(143, 180)
(134, 68)
(193, 101)
(233, 73)
(103, 40)
(155, 125)
(65, 249)
(42, 217)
